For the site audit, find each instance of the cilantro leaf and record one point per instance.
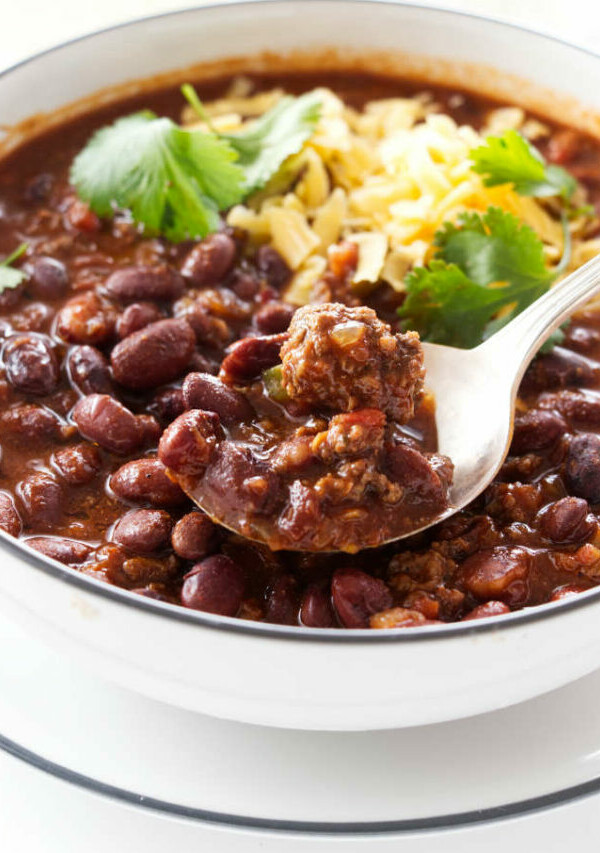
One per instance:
(174, 181)
(275, 136)
(487, 269)
(446, 307)
(511, 159)
(495, 247)
(10, 277)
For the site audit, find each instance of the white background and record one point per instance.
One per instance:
(40, 815)
(27, 26)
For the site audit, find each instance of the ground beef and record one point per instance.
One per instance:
(342, 358)
(351, 434)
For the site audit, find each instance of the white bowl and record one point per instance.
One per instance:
(284, 676)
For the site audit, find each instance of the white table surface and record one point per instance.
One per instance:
(42, 815)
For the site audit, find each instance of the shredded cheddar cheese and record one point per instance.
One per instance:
(386, 178)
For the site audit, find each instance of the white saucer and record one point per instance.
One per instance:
(474, 773)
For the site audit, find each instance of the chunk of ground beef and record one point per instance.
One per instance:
(352, 480)
(351, 434)
(342, 358)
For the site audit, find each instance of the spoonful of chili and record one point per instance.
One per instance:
(322, 439)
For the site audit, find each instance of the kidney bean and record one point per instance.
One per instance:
(10, 520)
(415, 472)
(153, 356)
(282, 606)
(248, 358)
(67, 551)
(167, 405)
(86, 319)
(216, 585)
(536, 430)
(582, 467)
(49, 278)
(136, 317)
(244, 283)
(62, 402)
(497, 573)
(41, 499)
(192, 536)
(89, 371)
(272, 267)
(357, 596)
(151, 429)
(484, 611)
(146, 481)
(567, 520)
(103, 419)
(580, 408)
(241, 479)
(274, 317)
(77, 465)
(143, 530)
(187, 445)
(31, 364)
(29, 423)
(203, 391)
(141, 283)
(561, 368)
(210, 331)
(209, 262)
(316, 610)
(203, 362)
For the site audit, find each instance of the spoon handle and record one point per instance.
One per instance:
(519, 340)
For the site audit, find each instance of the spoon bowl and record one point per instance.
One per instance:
(475, 392)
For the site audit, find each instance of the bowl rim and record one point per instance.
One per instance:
(297, 633)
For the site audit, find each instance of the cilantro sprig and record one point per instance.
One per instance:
(511, 159)
(176, 181)
(488, 267)
(9, 276)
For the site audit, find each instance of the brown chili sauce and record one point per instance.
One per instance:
(132, 366)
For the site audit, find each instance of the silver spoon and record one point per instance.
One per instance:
(475, 390)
